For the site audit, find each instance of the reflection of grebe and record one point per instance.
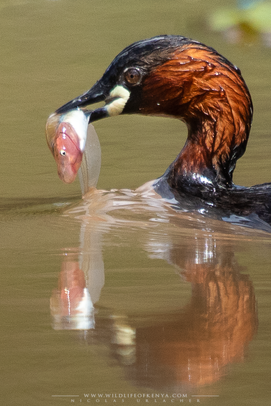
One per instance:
(178, 77)
(181, 347)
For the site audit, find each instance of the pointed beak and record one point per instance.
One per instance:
(96, 94)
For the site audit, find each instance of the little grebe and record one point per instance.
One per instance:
(181, 78)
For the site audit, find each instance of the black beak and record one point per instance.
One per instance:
(96, 94)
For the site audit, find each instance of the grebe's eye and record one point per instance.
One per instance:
(132, 76)
(62, 152)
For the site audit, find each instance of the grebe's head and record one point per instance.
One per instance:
(178, 77)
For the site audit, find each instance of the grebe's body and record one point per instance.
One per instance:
(177, 77)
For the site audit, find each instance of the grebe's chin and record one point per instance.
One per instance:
(177, 77)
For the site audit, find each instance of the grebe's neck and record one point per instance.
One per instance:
(208, 93)
(210, 152)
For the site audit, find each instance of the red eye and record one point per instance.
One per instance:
(132, 76)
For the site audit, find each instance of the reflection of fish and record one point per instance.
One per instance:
(71, 305)
(66, 137)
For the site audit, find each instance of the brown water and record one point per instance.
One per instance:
(182, 303)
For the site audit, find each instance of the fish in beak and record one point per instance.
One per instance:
(66, 136)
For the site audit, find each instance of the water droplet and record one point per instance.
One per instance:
(237, 70)
(222, 92)
(209, 67)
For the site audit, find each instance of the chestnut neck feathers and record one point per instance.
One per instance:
(207, 92)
